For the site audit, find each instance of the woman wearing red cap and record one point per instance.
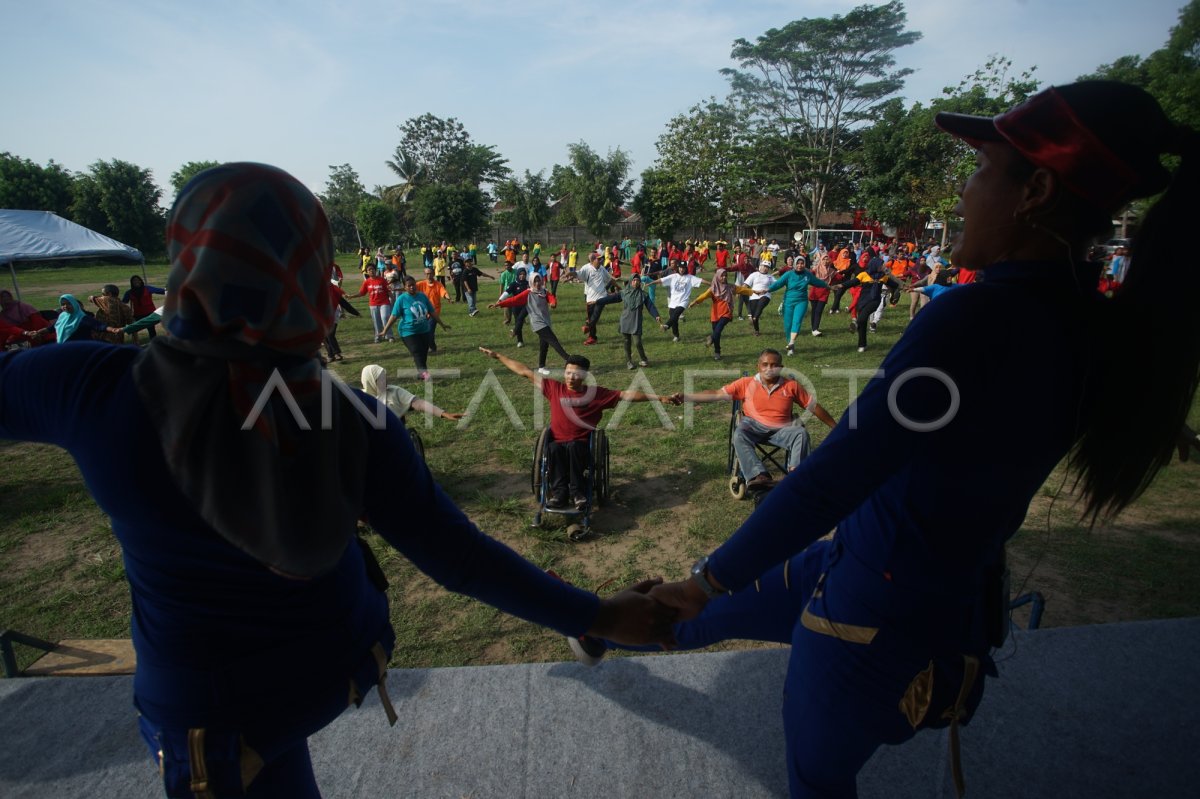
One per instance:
(892, 619)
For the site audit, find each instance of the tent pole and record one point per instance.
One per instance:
(13, 270)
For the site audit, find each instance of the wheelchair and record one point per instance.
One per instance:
(773, 457)
(595, 488)
(417, 442)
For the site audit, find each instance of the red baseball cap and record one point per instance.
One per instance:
(1092, 134)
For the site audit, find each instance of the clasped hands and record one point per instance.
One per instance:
(645, 612)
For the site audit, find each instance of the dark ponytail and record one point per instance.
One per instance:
(1128, 435)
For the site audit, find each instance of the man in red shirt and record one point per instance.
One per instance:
(767, 399)
(575, 411)
(722, 256)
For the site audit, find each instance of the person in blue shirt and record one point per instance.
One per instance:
(413, 314)
(892, 618)
(256, 619)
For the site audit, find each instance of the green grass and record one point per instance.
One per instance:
(61, 573)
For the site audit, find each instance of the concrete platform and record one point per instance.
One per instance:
(1095, 712)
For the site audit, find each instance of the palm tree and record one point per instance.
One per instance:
(412, 175)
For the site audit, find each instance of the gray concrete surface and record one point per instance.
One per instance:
(1097, 712)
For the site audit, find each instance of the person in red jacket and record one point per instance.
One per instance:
(21, 322)
(138, 298)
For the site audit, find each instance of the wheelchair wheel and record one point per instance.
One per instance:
(737, 486)
(600, 461)
(417, 442)
(539, 455)
(734, 418)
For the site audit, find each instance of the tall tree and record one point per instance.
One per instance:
(437, 150)
(593, 187)
(909, 170)
(120, 199)
(805, 86)
(26, 185)
(453, 212)
(442, 172)
(528, 202)
(702, 154)
(181, 176)
(343, 194)
(661, 201)
(1175, 69)
(376, 223)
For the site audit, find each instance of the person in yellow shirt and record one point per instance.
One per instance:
(572, 259)
(439, 269)
(436, 292)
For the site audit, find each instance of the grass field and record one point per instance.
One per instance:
(61, 572)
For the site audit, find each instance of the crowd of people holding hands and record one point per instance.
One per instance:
(807, 283)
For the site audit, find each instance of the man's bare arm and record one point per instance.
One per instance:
(516, 367)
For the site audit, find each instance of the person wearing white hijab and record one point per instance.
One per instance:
(398, 399)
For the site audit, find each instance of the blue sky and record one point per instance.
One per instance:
(306, 84)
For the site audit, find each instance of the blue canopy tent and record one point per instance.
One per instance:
(46, 236)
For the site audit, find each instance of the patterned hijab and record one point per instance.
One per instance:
(235, 389)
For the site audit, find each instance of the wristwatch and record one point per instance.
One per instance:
(700, 578)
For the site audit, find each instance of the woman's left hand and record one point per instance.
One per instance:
(633, 618)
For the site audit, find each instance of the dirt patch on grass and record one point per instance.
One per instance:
(37, 549)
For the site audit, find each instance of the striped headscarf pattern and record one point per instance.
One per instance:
(247, 306)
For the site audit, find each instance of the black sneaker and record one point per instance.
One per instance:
(587, 650)
(581, 502)
(557, 501)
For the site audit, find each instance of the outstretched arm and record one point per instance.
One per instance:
(638, 396)
(704, 296)
(421, 406)
(516, 367)
(822, 414)
(712, 395)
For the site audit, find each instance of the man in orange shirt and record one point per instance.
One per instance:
(436, 292)
(767, 399)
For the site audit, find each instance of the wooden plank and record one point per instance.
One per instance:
(79, 657)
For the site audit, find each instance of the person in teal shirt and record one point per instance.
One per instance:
(795, 300)
(415, 317)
